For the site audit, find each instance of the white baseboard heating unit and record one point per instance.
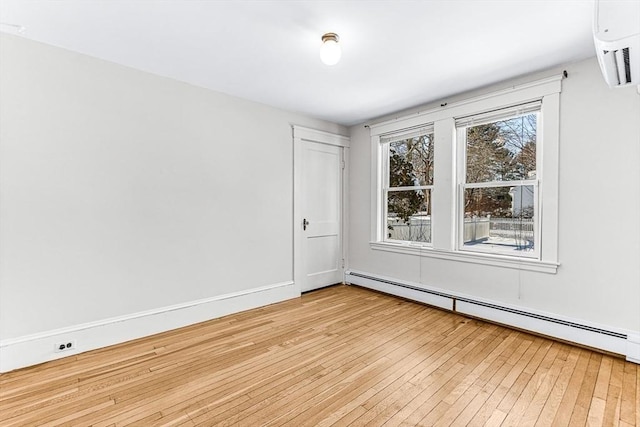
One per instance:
(622, 342)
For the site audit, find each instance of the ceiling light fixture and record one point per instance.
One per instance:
(330, 51)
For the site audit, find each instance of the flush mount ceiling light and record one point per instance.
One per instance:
(330, 51)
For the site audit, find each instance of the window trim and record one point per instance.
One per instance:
(495, 260)
(445, 192)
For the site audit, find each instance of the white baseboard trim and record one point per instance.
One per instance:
(603, 337)
(37, 348)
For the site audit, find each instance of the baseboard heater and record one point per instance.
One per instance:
(592, 336)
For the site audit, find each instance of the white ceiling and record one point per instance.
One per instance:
(396, 54)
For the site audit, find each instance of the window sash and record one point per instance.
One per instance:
(493, 116)
(409, 188)
(498, 114)
(385, 215)
(535, 254)
(385, 144)
(406, 134)
(492, 184)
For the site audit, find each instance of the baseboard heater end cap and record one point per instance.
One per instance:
(633, 347)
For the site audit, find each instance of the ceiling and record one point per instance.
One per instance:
(396, 54)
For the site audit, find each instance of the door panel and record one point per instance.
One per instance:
(329, 247)
(321, 194)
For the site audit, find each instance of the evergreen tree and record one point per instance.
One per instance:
(487, 160)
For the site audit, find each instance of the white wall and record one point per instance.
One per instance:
(599, 209)
(123, 192)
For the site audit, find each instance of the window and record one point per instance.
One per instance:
(498, 202)
(408, 184)
(489, 195)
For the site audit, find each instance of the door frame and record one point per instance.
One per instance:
(301, 134)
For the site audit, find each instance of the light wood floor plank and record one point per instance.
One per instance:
(494, 390)
(543, 387)
(581, 410)
(430, 358)
(614, 394)
(629, 404)
(443, 380)
(500, 384)
(554, 399)
(340, 356)
(516, 415)
(598, 400)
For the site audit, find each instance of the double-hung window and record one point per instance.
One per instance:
(472, 181)
(498, 199)
(408, 184)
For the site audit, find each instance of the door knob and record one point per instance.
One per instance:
(305, 223)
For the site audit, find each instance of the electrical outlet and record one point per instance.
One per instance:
(64, 346)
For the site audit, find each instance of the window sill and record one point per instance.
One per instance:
(472, 257)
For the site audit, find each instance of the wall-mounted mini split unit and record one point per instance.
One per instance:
(616, 32)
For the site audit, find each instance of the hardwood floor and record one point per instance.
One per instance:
(338, 356)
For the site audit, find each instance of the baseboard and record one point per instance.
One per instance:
(38, 348)
(613, 340)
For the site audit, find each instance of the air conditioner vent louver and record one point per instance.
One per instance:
(627, 65)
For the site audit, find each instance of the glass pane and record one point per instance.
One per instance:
(409, 215)
(499, 219)
(504, 150)
(411, 161)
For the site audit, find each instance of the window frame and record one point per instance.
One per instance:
(385, 143)
(462, 184)
(446, 191)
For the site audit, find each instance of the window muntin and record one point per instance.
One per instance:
(499, 200)
(409, 166)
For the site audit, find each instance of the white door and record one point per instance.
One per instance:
(319, 215)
